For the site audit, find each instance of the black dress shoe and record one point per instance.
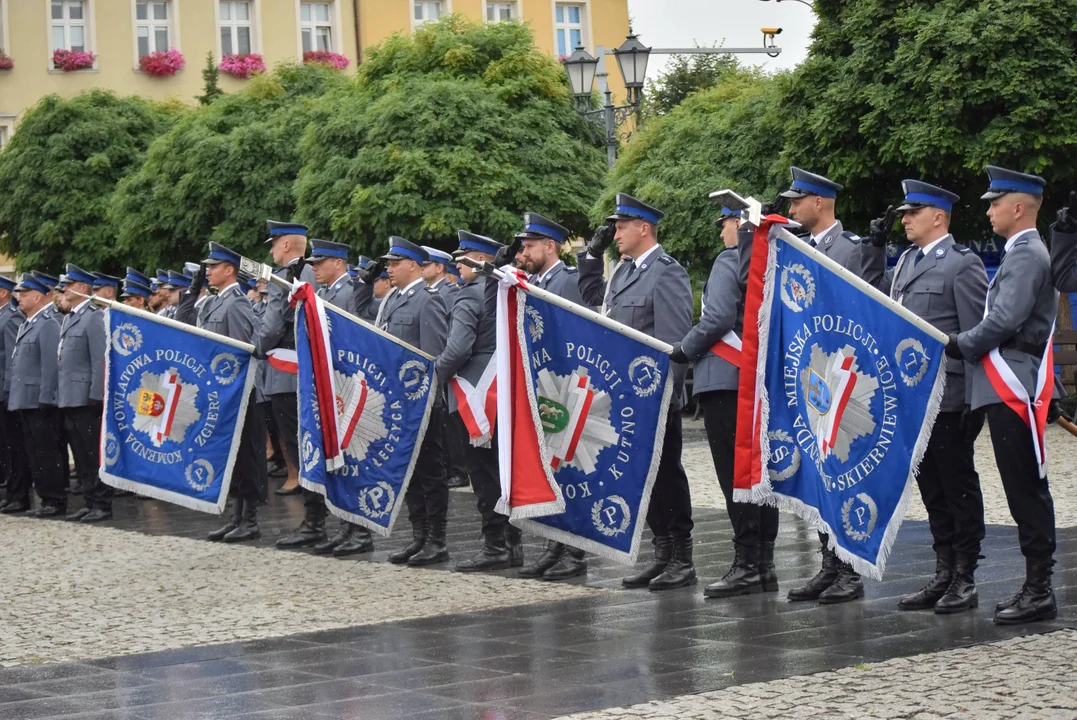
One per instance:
(927, 596)
(343, 533)
(310, 532)
(823, 579)
(571, 564)
(434, 549)
(961, 594)
(297, 490)
(743, 577)
(97, 515)
(78, 514)
(1036, 600)
(456, 481)
(546, 560)
(663, 552)
(15, 507)
(680, 572)
(49, 510)
(360, 541)
(233, 521)
(848, 586)
(493, 556)
(418, 539)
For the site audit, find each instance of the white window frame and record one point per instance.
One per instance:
(585, 24)
(516, 11)
(7, 129)
(445, 8)
(172, 23)
(255, 24)
(89, 32)
(4, 40)
(335, 38)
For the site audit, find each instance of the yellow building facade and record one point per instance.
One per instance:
(119, 32)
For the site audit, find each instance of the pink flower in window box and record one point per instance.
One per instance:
(332, 59)
(6, 63)
(161, 64)
(72, 60)
(243, 66)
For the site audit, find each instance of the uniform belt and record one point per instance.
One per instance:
(1022, 346)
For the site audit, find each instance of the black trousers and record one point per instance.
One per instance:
(486, 483)
(286, 415)
(427, 496)
(83, 425)
(670, 511)
(752, 524)
(950, 488)
(456, 442)
(249, 474)
(41, 433)
(17, 472)
(1027, 494)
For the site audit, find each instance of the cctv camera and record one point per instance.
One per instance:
(771, 31)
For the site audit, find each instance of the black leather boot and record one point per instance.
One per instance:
(248, 523)
(310, 532)
(418, 539)
(1036, 601)
(571, 564)
(823, 579)
(767, 574)
(680, 572)
(343, 533)
(434, 549)
(493, 556)
(848, 586)
(961, 594)
(743, 577)
(663, 552)
(359, 541)
(546, 560)
(926, 597)
(514, 541)
(233, 521)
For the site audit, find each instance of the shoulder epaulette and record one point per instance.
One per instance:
(432, 290)
(569, 269)
(1022, 241)
(964, 250)
(851, 236)
(667, 260)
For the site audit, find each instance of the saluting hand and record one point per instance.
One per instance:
(372, 272)
(199, 280)
(1067, 216)
(601, 240)
(295, 270)
(879, 228)
(507, 254)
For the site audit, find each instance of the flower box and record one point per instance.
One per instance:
(332, 59)
(161, 64)
(6, 63)
(72, 60)
(243, 66)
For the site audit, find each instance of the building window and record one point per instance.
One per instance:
(3, 136)
(7, 126)
(316, 26)
(235, 27)
(152, 26)
(3, 25)
(69, 25)
(425, 11)
(569, 24)
(500, 11)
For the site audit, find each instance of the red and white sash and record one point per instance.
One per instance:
(728, 348)
(321, 356)
(478, 403)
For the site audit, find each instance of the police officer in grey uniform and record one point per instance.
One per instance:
(945, 284)
(1064, 247)
(52, 282)
(16, 466)
(418, 316)
(106, 287)
(231, 314)
(33, 392)
(1021, 308)
(652, 294)
(81, 360)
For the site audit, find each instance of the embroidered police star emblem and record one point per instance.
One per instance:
(838, 397)
(164, 406)
(575, 419)
(361, 410)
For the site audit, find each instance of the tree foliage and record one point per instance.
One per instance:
(461, 125)
(221, 171)
(60, 170)
(211, 82)
(685, 75)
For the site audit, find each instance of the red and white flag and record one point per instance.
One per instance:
(477, 403)
(335, 417)
(729, 348)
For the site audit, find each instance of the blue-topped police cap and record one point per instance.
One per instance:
(363, 262)
(725, 214)
(220, 254)
(629, 208)
(326, 250)
(353, 271)
(453, 270)
(162, 276)
(190, 269)
(177, 280)
(6, 283)
(920, 194)
(806, 183)
(155, 284)
(29, 281)
(135, 276)
(438, 256)
(275, 228)
(384, 275)
(74, 274)
(49, 281)
(1007, 181)
(401, 249)
(133, 288)
(102, 280)
(471, 242)
(537, 227)
(246, 282)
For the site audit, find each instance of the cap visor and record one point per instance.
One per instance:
(213, 261)
(313, 259)
(991, 195)
(393, 256)
(616, 216)
(532, 236)
(909, 206)
(793, 194)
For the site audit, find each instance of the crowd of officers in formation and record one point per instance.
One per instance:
(54, 346)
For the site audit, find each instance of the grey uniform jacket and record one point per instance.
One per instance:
(339, 294)
(259, 309)
(655, 299)
(723, 310)
(10, 320)
(363, 300)
(1022, 305)
(34, 375)
(82, 357)
(417, 316)
(278, 331)
(946, 288)
(563, 281)
(842, 247)
(1064, 260)
(473, 340)
(229, 313)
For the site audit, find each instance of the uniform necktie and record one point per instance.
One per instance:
(628, 274)
(919, 256)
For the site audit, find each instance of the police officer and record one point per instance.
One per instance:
(136, 290)
(158, 295)
(418, 316)
(81, 361)
(231, 314)
(106, 287)
(33, 392)
(288, 245)
(330, 263)
(52, 310)
(171, 290)
(652, 294)
(16, 465)
(946, 285)
(1015, 331)
(538, 253)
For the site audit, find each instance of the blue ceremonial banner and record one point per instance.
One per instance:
(383, 391)
(175, 401)
(849, 384)
(600, 398)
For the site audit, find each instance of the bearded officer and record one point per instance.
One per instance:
(418, 316)
(1015, 331)
(16, 470)
(945, 284)
(651, 293)
(330, 263)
